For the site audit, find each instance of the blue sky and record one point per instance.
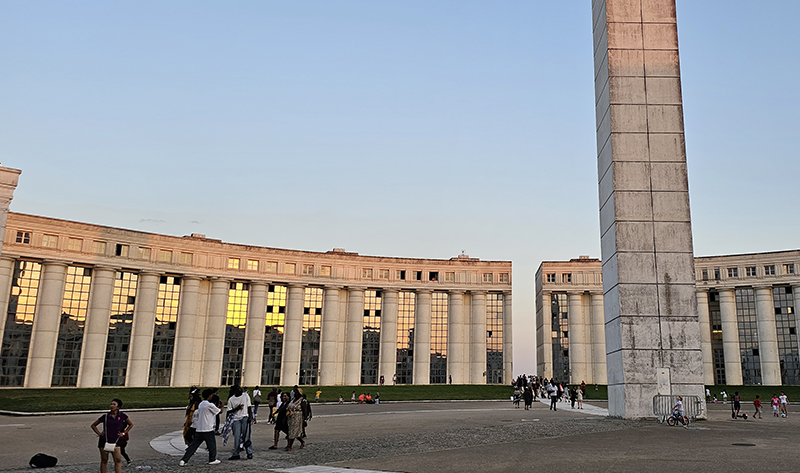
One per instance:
(387, 128)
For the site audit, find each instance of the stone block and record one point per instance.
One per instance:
(670, 176)
(610, 269)
(629, 118)
(630, 146)
(636, 268)
(633, 206)
(640, 365)
(667, 147)
(664, 91)
(632, 401)
(677, 300)
(664, 118)
(660, 36)
(673, 237)
(627, 90)
(615, 374)
(686, 366)
(658, 11)
(624, 11)
(626, 62)
(625, 36)
(633, 236)
(679, 332)
(675, 268)
(634, 333)
(631, 176)
(640, 300)
(663, 63)
(671, 206)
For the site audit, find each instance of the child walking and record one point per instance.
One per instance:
(757, 405)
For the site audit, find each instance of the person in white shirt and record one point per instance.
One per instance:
(242, 409)
(203, 422)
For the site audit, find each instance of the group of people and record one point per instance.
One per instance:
(288, 411)
(527, 388)
(363, 398)
(779, 403)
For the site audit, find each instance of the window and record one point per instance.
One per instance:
(119, 331)
(504, 278)
(289, 268)
(366, 273)
(308, 269)
(143, 253)
(71, 329)
(74, 244)
(717, 276)
(233, 263)
(401, 275)
(750, 271)
(788, 268)
(24, 238)
(371, 337)
(383, 274)
(705, 275)
(733, 272)
(449, 277)
(769, 270)
(433, 276)
(50, 241)
(99, 247)
(166, 322)
(164, 256)
(439, 306)
(186, 258)
(325, 271)
(566, 277)
(272, 266)
(273, 336)
(235, 326)
(121, 250)
(488, 277)
(551, 277)
(252, 265)
(417, 275)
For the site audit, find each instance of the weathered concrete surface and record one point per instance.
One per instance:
(652, 326)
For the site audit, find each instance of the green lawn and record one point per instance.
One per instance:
(748, 393)
(70, 399)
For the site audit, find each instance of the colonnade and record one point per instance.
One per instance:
(201, 327)
(766, 329)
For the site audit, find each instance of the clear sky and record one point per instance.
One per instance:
(411, 128)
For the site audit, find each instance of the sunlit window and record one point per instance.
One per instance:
(119, 331)
(566, 277)
(494, 338)
(273, 335)
(272, 266)
(121, 250)
(50, 241)
(400, 275)
(99, 247)
(289, 268)
(449, 277)
(308, 269)
(169, 294)
(406, 308)
(19, 322)
(186, 258)
(312, 324)
(439, 308)
(70, 332)
(325, 271)
(366, 273)
(143, 253)
(383, 274)
(233, 351)
(252, 265)
(164, 256)
(233, 263)
(74, 244)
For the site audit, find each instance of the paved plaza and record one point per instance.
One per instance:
(444, 436)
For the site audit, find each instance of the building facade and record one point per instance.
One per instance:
(88, 305)
(746, 304)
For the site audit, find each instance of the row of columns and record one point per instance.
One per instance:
(766, 329)
(587, 342)
(200, 332)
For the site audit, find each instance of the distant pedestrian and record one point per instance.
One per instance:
(382, 380)
(579, 398)
(757, 405)
(316, 395)
(724, 397)
(241, 409)
(708, 395)
(115, 423)
(341, 400)
(353, 398)
(784, 404)
(281, 420)
(256, 403)
(272, 402)
(203, 424)
(737, 405)
(775, 405)
(573, 396)
(527, 395)
(295, 414)
(394, 378)
(552, 391)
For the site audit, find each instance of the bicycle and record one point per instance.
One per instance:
(676, 419)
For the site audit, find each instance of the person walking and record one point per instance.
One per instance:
(194, 401)
(239, 405)
(115, 424)
(272, 403)
(203, 424)
(553, 392)
(757, 405)
(579, 398)
(295, 416)
(281, 420)
(784, 404)
(775, 405)
(256, 402)
(527, 395)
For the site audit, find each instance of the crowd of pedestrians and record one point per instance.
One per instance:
(779, 403)
(527, 388)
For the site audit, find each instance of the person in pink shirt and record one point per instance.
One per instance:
(775, 403)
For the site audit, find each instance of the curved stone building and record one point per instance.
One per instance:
(88, 305)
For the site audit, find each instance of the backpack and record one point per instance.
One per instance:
(40, 460)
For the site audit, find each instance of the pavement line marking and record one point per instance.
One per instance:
(12, 425)
(324, 469)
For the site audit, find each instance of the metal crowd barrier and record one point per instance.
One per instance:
(663, 404)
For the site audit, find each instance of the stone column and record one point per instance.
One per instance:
(95, 335)
(705, 336)
(730, 337)
(796, 294)
(422, 339)
(544, 337)
(330, 335)
(293, 335)
(652, 333)
(6, 272)
(187, 325)
(456, 362)
(508, 341)
(478, 339)
(44, 337)
(599, 373)
(767, 337)
(577, 339)
(215, 332)
(341, 341)
(144, 319)
(388, 355)
(8, 182)
(254, 334)
(355, 327)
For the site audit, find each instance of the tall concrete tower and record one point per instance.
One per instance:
(651, 322)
